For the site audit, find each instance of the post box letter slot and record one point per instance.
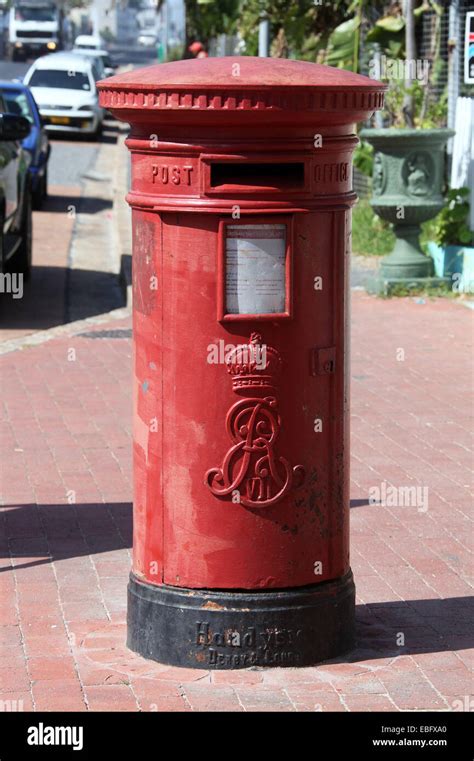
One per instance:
(284, 176)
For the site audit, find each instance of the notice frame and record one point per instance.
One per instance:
(226, 264)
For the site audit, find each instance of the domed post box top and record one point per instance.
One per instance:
(241, 88)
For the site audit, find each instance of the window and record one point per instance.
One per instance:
(17, 103)
(27, 13)
(67, 80)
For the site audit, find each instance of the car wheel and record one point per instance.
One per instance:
(41, 192)
(98, 130)
(45, 183)
(21, 262)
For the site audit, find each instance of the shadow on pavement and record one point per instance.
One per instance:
(109, 134)
(46, 533)
(360, 502)
(108, 138)
(428, 626)
(62, 204)
(57, 295)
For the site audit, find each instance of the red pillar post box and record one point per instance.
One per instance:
(241, 191)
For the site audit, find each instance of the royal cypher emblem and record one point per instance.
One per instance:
(251, 467)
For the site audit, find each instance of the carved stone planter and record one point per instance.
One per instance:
(408, 181)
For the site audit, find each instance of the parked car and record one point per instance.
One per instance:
(15, 194)
(88, 41)
(101, 58)
(19, 101)
(63, 85)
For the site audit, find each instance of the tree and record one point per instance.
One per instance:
(298, 28)
(206, 19)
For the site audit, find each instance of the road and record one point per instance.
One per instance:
(71, 157)
(13, 70)
(66, 284)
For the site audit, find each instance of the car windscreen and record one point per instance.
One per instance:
(17, 103)
(27, 13)
(68, 80)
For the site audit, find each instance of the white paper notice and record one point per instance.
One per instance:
(255, 269)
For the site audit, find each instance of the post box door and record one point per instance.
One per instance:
(211, 541)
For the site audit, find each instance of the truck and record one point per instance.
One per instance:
(35, 27)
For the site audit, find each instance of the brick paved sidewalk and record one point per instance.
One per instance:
(66, 530)
(43, 303)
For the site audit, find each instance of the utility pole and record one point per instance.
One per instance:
(263, 37)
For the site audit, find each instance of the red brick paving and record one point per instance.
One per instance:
(66, 530)
(42, 305)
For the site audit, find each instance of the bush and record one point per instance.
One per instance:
(364, 158)
(451, 227)
(371, 236)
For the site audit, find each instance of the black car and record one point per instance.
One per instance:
(15, 195)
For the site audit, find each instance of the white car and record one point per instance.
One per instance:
(100, 57)
(64, 88)
(88, 42)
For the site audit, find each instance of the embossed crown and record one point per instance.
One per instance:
(254, 365)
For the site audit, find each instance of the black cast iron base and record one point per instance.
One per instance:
(219, 629)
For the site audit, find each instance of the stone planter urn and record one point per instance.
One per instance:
(408, 182)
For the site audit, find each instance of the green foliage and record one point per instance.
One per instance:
(175, 53)
(451, 228)
(389, 33)
(394, 103)
(390, 24)
(436, 113)
(107, 35)
(419, 102)
(305, 25)
(427, 234)
(205, 20)
(313, 48)
(444, 290)
(371, 236)
(293, 17)
(364, 158)
(428, 113)
(340, 49)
